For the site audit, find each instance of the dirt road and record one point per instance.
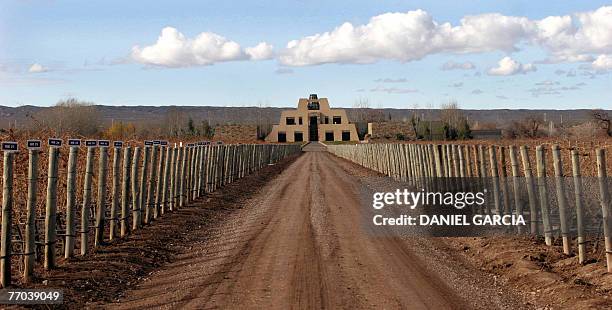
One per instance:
(298, 243)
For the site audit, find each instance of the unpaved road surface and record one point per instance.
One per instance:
(298, 243)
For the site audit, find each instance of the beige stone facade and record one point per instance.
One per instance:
(313, 120)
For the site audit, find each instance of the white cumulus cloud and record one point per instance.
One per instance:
(174, 49)
(37, 68)
(572, 38)
(415, 34)
(261, 51)
(603, 62)
(406, 37)
(509, 66)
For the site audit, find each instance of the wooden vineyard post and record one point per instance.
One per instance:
(462, 172)
(518, 206)
(533, 209)
(195, 173)
(605, 204)
(444, 167)
(161, 182)
(190, 158)
(177, 178)
(201, 168)
(455, 162)
(30, 233)
(541, 165)
(211, 168)
(142, 201)
(421, 166)
(507, 209)
(438, 162)
(101, 198)
(579, 208)
(190, 173)
(151, 186)
(166, 183)
(125, 191)
(477, 172)
(430, 164)
(86, 200)
(495, 179)
(182, 176)
(208, 169)
(135, 189)
(468, 162)
(114, 223)
(560, 186)
(482, 155)
(51, 210)
(71, 189)
(224, 155)
(7, 219)
(172, 189)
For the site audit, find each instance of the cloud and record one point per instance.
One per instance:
(394, 90)
(547, 83)
(173, 49)
(549, 87)
(283, 71)
(509, 66)
(37, 68)
(261, 51)
(457, 85)
(451, 65)
(414, 35)
(573, 38)
(477, 92)
(603, 62)
(388, 80)
(501, 97)
(406, 37)
(568, 73)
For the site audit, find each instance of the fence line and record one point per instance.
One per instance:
(434, 166)
(145, 184)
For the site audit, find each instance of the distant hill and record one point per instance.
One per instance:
(20, 116)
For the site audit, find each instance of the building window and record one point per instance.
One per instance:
(290, 120)
(282, 136)
(326, 120)
(313, 96)
(313, 105)
(298, 136)
(346, 135)
(329, 136)
(337, 120)
(300, 120)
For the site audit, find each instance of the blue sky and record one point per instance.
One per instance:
(50, 50)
